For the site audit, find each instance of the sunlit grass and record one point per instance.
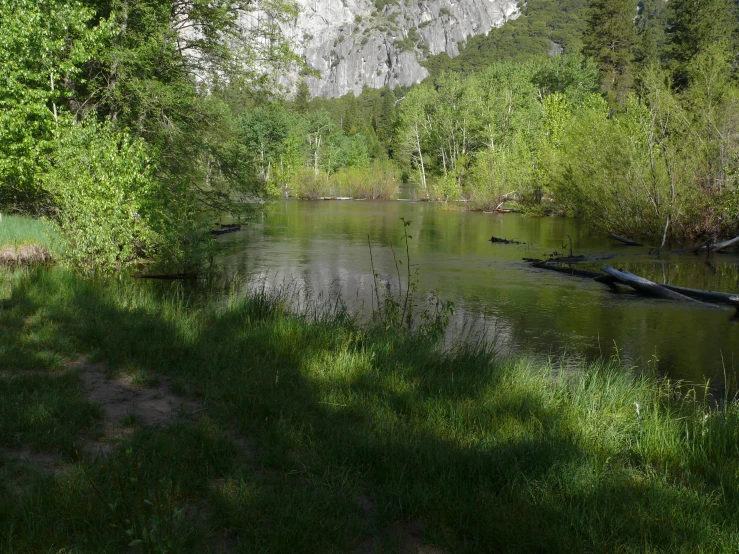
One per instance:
(16, 230)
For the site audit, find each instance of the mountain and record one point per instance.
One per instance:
(383, 43)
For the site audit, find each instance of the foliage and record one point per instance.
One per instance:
(610, 39)
(542, 25)
(102, 185)
(152, 71)
(43, 46)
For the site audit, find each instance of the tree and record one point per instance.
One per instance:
(611, 40)
(651, 25)
(415, 127)
(302, 96)
(696, 26)
(385, 120)
(146, 67)
(351, 121)
(43, 46)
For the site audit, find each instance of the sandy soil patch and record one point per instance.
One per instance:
(126, 404)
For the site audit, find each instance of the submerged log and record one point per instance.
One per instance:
(704, 295)
(504, 241)
(225, 229)
(568, 270)
(626, 241)
(646, 286)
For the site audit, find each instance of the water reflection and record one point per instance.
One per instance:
(323, 247)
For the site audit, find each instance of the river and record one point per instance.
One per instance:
(322, 247)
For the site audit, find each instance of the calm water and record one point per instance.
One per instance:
(322, 247)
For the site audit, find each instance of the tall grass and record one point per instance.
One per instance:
(320, 433)
(16, 230)
(378, 181)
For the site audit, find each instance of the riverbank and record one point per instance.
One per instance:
(27, 242)
(139, 413)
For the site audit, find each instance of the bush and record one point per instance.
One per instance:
(104, 192)
(378, 181)
(310, 186)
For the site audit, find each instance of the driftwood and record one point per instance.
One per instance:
(718, 247)
(626, 241)
(645, 286)
(504, 241)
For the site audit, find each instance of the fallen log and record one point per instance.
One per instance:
(718, 247)
(646, 286)
(684, 294)
(560, 260)
(626, 241)
(704, 295)
(568, 270)
(504, 241)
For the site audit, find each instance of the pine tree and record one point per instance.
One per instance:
(351, 121)
(651, 25)
(696, 26)
(301, 97)
(386, 118)
(610, 39)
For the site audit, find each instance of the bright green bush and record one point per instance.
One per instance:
(378, 181)
(102, 184)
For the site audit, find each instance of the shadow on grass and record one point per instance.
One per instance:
(318, 436)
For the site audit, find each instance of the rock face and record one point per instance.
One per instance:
(358, 43)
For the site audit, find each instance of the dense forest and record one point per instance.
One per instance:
(124, 121)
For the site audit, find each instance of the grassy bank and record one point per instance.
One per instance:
(16, 230)
(314, 434)
(25, 241)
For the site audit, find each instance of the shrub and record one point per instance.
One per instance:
(104, 192)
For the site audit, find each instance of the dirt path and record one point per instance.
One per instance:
(126, 404)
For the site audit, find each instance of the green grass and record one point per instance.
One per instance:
(17, 230)
(306, 420)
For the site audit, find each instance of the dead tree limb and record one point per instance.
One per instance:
(645, 286)
(718, 247)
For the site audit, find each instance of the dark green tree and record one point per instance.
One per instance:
(610, 39)
(651, 24)
(385, 120)
(697, 25)
(302, 96)
(351, 120)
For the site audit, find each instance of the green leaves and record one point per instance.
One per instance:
(101, 182)
(43, 45)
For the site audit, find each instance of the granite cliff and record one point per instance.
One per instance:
(358, 43)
